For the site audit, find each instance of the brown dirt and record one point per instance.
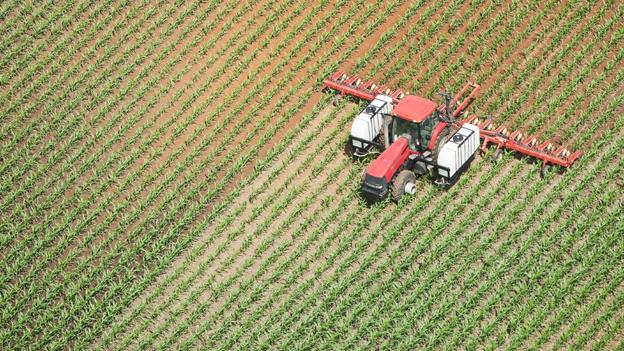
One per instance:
(544, 59)
(50, 44)
(54, 167)
(86, 251)
(285, 238)
(265, 148)
(541, 102)
(517, 61)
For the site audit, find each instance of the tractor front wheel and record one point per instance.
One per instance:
(404, 183)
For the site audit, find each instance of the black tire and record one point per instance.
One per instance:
(443, 137)
(348, 150)
(381, 138)
(398, 186)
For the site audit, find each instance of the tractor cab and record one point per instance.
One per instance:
(415, 119)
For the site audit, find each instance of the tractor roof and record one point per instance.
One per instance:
(414, 108)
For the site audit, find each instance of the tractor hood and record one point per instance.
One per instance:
(389, 161)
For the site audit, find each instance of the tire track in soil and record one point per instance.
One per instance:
(496, 63)
(604, 79)
(567, 132)
(457, 25)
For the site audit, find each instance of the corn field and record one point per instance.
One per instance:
(173, 177)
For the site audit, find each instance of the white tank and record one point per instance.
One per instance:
(368, 123)
(458, 150)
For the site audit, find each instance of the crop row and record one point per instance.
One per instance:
(180, 168)
(355, 44)
(232, 172)
(68, 181)
(155, 308)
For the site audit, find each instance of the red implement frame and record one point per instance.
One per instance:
(354, 86)
(468, 93)
(546, 151)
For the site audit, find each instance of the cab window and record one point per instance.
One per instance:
(427, 126)
(406, 129)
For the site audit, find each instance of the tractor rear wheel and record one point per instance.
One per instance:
(443, 137)
(404, 183)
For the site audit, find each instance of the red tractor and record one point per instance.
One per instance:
(415, 136)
